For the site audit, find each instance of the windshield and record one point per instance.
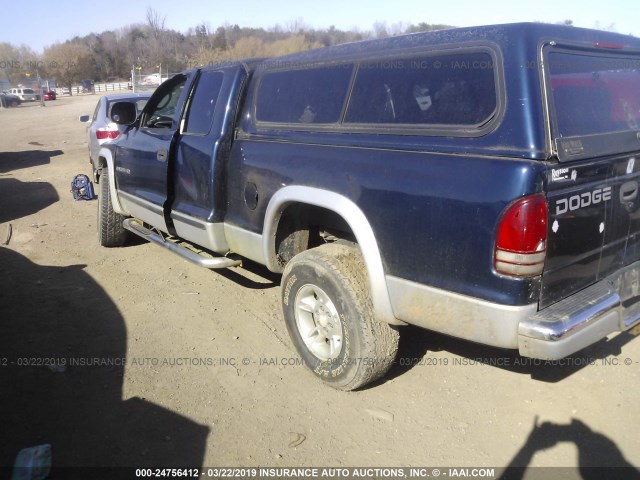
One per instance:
(594, 94)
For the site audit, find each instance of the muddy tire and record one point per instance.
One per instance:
(329, 315)
(111, 233)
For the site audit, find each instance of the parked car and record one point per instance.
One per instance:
(102, 129)
(49, 95)
(87, 86)
(25, 94)
(9, 100)
(153, 79)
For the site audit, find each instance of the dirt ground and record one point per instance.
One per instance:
(133, 356)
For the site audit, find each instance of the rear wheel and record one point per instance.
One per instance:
(111, 232)
(329, 315)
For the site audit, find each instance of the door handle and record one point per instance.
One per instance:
(161, 155)
(628, 192)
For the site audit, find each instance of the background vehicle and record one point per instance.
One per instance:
(153, 79)
(9, 100)
(49, 95)
(25, 94)
(101, 128)
(87, 86)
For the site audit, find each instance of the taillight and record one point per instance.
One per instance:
(521, 239)
(107, 134)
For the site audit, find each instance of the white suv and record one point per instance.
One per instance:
(25, 94)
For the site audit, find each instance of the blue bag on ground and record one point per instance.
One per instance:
(82, 188)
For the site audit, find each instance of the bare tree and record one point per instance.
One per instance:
(156, 22)
(68, 62)
(151, 46)
(380, 30)
(17, 63)
(296, 26)
(398, 28)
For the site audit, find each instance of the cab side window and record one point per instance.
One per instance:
(203, 103)
(303, 96)
(163, 111)
(446, 90)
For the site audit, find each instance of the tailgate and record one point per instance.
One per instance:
(593, 192)
(594, 224)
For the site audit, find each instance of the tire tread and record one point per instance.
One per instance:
(379, 339)
(111, 232)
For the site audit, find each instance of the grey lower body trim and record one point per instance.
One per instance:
(206, 234)
(609, 306)
(246, 243)
(146, 211)
(457, 315)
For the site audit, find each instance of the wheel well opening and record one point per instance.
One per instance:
(302, 227)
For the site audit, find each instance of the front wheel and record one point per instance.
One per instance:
(111, 232)
(329, 315)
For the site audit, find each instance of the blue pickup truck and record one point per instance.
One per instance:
(479, 182)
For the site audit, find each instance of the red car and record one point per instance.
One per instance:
(49, 95)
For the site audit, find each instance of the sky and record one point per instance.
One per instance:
(50, 22)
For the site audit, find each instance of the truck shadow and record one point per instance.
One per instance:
(63, 347)
(26, 159)
(252, 275)
(19, 199)
(598, 456)
(416, 343)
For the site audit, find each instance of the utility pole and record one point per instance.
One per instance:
(40, 88)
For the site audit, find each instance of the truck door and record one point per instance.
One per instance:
(143, 154)
(198, 190)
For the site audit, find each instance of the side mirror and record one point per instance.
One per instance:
(124, 113)
(84, 118)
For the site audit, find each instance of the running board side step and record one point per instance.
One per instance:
(207, 262)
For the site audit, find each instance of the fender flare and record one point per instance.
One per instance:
(358, 223)
(115, 200)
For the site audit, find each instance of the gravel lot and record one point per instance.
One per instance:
(133, 356)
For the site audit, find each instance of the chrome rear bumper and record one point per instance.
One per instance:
(609, 306)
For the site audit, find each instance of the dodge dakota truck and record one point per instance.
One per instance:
(479, 182)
